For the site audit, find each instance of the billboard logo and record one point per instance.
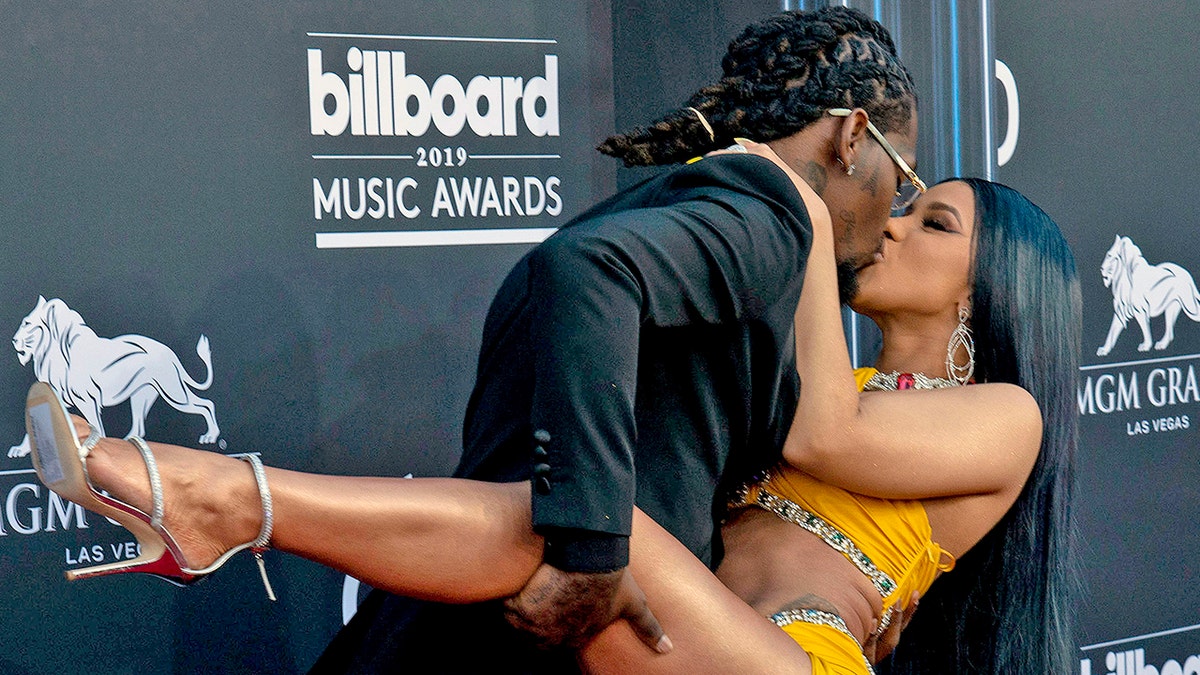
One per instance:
(379, 97)
(1142, 291)
(91, 373)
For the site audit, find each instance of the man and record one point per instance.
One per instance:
(644, 353)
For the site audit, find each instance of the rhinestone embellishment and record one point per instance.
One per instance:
(894, 381)
(820, 618)
(794, 513)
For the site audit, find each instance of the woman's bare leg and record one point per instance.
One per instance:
(445, 539)
(450, 540)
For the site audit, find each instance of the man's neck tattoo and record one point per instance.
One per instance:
(847, 269)
(814, 175)
(871, 184)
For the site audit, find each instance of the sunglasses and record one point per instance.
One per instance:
(906, 193)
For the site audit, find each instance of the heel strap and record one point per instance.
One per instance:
(264, 494)
(156, 514)
(264, 535)
(94, 437)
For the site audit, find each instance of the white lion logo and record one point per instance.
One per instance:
(92, 373)
(1142, 291)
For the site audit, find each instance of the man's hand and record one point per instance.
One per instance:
(570, 608)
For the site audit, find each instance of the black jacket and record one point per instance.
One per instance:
(644, 353)
(650, 341)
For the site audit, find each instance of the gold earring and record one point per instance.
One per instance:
(704, 123)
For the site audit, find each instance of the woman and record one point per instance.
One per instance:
(987, 464)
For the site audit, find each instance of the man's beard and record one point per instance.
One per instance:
(847, 276)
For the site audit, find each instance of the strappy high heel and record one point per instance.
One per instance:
(60, 461)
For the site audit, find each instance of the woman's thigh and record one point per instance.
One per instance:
(713, 631)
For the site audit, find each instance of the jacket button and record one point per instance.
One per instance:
(540, 453)
(541, 436)
(541, 469)
(542, 485)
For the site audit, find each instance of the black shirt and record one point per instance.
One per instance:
(644, 353)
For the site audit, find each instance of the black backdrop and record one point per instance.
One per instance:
(161, 177)
(1107, 106)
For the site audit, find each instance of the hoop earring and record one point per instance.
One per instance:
(704, 123)
(961, 339)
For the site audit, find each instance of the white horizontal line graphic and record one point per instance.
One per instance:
(524, 235)
(514, 156)
(362, 156)
(1160, 633)
(409, 157)
(434, 38)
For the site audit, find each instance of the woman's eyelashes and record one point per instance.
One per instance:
(936, 223)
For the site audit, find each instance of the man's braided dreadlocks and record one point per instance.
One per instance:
(780, 75)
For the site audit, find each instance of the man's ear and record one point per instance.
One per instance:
(851, 136)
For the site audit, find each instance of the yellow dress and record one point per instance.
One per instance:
(889, 541)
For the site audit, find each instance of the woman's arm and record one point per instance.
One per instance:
(979, 439)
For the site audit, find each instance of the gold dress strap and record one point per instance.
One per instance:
(820, 618)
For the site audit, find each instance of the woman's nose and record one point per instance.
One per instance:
(897, 227)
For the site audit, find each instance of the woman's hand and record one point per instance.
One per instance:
(877, 647)
(817, 210)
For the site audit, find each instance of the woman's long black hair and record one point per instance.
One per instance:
(1006, 607)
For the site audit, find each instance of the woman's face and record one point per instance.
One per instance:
(925, 260)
